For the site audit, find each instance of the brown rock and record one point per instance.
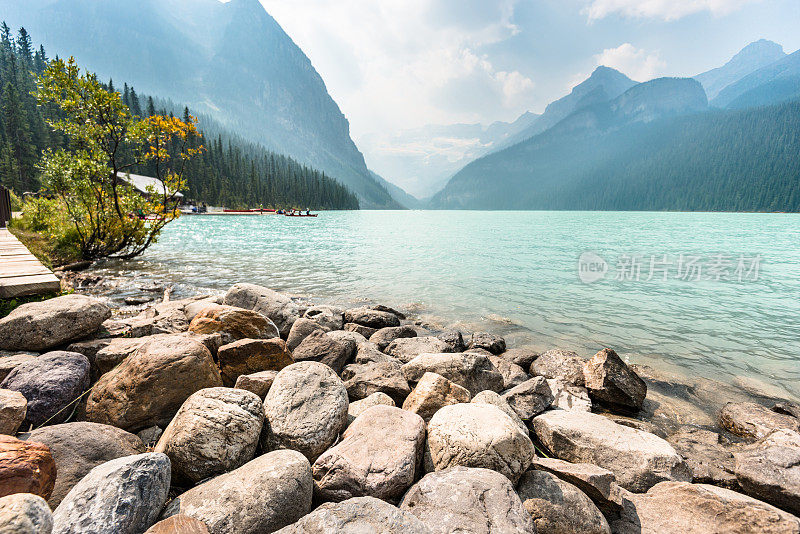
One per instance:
(557, 363)
(26, 467)
(320, 347)
(597, 483)
(362, 380)
(383, 337)
(13, 408)
(235, 323)
(258, 383)
(300, 330)
(707, 454)
(612, 383)
(433, 392)
(365, 331)
(178, 524)
(248, 356)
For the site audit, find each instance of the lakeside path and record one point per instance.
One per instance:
(21, 273)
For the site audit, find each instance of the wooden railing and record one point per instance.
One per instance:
(5, 207)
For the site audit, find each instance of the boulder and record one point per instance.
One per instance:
(490, 342)
(407, 348)
(306, 409)
(26, 467)
(612, 383)
(597, 483)
(513, 374)
(471, 371)
(150, 435)
(362, 380)
(367, 352)
(300, 330)
(463, 499)
(370, 317)
(10, 361)
(328, 317)
(320, 347)
(787, 408)
(344, 335)
(561, 364)
(523, 357)
(52, 383)
(359, 515)
(770, 470)
(123, 496)
(379, 456)
(247, 356)
(149, 386)
(638, 459)
(567, 396)
(162, 318)
(233, 323)
(40, 326)
(113, 353)
(178, 524)
(383, 337)
(358, 407)
(478, 435)
(215, 431)
(364, 331)
(431, 393)
(264, 495)
(382, 308)
(490, 397)
(13, 408)
(258, 383)
(558, 507)
(24, 513)
(699, 509)
(707, 455)
(279, 308)
(530, 398)
(79, 447)
(453, 339)
(753, 421)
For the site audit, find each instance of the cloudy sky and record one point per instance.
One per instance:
(397, 64)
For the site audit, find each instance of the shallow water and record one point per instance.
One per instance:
(516, 274)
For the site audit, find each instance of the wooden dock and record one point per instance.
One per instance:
(21, 274)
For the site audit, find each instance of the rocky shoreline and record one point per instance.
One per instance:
(256, 411)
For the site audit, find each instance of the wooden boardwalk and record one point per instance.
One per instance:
(21, 273)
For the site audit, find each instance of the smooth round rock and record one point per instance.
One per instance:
(233, 323)
(25, 513)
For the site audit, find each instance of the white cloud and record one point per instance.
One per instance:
(398, 64)
(661, 9)
(636, 63)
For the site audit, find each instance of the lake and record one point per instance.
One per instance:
(704, 294)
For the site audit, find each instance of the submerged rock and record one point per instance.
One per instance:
(24, 513)
(359, 515)
(122, 496)
(40, 326)
(464, 499)
(263, 495)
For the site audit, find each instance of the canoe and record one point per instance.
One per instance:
(295, 215)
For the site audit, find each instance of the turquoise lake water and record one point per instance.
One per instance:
(517, 274)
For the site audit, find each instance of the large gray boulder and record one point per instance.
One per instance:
(754, 421)
(122, 496)
(478, 435)
(562, 364)
(306, 409)
(13, 407)
(39, 326)
(463, 499)
(379, 456)
(431, 393)
(770, 470)
(263, 495)
(371, 318)
(362, 380)
(558, 507)
(638, 459)
(530, 398)
(407, 348)
(328, 317)
(321, 347)
(471, 371)
(383, 337)
(51, 383)
(25, 513)
(521, 356)
(612, 383)
(149, 386)
(79, 447)
(700, 509)
(281, 309)
(215, 431)
(359, 515)
(367, 352)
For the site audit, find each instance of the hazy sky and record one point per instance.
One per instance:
(396, 64)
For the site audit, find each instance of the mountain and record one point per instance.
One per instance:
(777, 82)
(229, 60)
(593, 143)
(603, 85)
(422, 160)
(749, 59)
(399, 195)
